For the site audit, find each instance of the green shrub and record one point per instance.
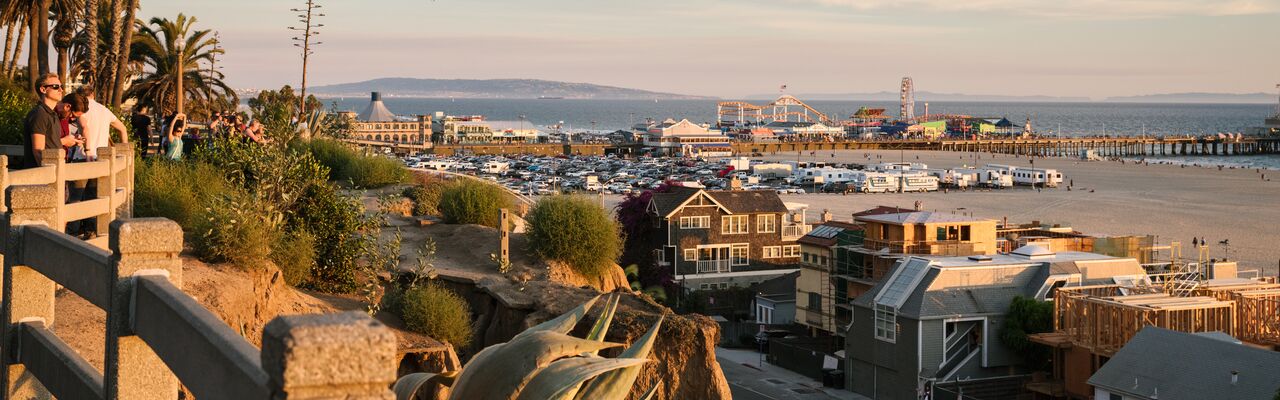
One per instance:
(342, 235)
(426, 199)
(437, 312)
(234, 228)
(574, 230)
(348, 165)
(295, 254)
(469, 201)
(1028, 316)
(15, 103)
(179, 191)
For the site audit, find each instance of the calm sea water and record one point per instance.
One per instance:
(1066, 119)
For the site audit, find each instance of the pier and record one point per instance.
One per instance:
(1045, 147)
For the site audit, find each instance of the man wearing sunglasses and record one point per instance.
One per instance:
(42, 129)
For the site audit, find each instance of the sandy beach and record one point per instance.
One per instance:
(1109, 198)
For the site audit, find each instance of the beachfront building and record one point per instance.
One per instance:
(916, 130)
(804, 131)
(378, 124)
(866, 122)
(684, 138)
(824, 304)
(719, 239)
(1170, 365)
(933, 324)
(891, 235)
(476, 129)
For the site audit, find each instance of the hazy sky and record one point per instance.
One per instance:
(1093, 48)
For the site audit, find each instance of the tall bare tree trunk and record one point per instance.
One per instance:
(17, 48)
(122, 61)
(109, 66)
(34, 21)
(8, 44)
(43, 24)
(91, 48)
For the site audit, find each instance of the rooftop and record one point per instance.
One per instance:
(1170, 365)
(920, 217)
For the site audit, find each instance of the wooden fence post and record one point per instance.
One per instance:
(504, 235)
(27, 294)
(333, 356)
(146, 246)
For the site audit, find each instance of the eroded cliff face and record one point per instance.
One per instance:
(684, 355)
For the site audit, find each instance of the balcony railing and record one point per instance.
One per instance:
(933, 247)
(793, 232)
(712, 266)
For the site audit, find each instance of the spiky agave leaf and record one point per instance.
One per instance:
(498, 372)
(409, 385)
(652, 391)
(561, 379)
(563, 323)
(601, 326)
(616, 384)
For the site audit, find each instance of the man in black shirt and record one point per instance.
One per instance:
(42, 129)
(142, 128)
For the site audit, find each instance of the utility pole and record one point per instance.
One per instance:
(309, 29)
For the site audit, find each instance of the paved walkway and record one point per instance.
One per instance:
(752, 379)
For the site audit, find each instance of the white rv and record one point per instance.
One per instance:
(1037, 176)
(824, 175)
(895, 167)
(875, 182)
(495, 167)
(951, 177)
(437, 165)
(918, 182)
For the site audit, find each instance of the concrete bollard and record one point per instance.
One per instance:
(145, 246)
(334, 356)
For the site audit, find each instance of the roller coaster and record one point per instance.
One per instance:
(780, 110)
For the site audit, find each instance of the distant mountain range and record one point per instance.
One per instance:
(491, 89)
(1233, 98)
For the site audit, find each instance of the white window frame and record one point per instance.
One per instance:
(730, 223)
(886, 323)
(746, 254)
(695, 222)
(791, 250)
(693, 252)
(772, 252)
(766, 223)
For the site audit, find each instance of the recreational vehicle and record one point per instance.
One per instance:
(824, 175)
(918, 182)
(436, 165)
(987, 177)
(898, 166)
(951, 177)
(1030, 176)
(495, 167)
(875, 182)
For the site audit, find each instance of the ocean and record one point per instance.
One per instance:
(1065, 119)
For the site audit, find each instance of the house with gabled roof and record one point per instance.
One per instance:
(1165, 364)
(934, 321)
(718, 239)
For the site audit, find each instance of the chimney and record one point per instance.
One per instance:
(826, 215)
(375, 96)
(1235, 377)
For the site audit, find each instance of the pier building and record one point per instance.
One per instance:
(686, 138)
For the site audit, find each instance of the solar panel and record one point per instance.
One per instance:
(825, 232)
(903, 281)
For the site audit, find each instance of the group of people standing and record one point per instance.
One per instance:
(71, 121)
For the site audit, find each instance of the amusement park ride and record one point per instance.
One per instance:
(787, 107)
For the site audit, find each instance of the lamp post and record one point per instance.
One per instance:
(309, 29)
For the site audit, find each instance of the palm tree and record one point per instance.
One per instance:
(122, 58)
(90, 33)
(66, 13)
(171, 53)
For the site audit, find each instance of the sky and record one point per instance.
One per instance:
(733, 48)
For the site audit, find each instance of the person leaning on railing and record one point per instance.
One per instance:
(41, 129)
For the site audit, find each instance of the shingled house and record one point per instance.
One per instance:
(718, 239)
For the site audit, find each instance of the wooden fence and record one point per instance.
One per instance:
(157, 336)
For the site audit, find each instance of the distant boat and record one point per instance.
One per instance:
(550, 98)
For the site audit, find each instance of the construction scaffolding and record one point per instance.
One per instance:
(1257, 309)
(1102, 318)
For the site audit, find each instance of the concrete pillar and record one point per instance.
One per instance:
(332, 356)
(504, 235)
(145, 246)
(29, 294)
(106, 188)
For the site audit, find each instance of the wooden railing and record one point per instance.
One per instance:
(156, 335)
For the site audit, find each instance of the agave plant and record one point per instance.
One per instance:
(544, 362)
